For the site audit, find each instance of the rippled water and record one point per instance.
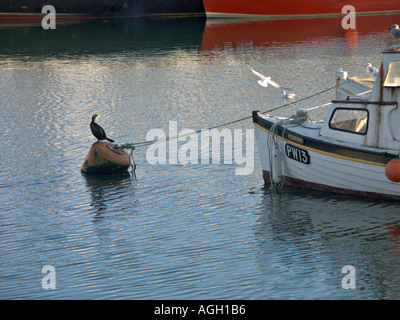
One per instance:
(194, 231)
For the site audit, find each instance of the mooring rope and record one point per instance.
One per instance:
(131, 159)
(295, 120)
(133, 146)
(146, 143)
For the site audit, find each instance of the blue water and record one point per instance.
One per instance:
(176, 231)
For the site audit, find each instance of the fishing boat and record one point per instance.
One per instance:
(354, 150)
(31, 10)
(262, 9)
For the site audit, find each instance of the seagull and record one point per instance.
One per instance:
(372, 70)
(288, 95)
(265, 81)
(395, 31)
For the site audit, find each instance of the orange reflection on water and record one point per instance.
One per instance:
(238, 33)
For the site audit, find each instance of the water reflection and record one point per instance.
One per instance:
(107, 188)
(101, 37)
(253, 35)
(160, 35)
(318, 233)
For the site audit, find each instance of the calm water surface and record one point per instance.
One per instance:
(195, 231)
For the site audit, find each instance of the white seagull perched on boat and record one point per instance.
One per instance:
(372, 71)
(286, 95)
(395, 31)
(265, 81)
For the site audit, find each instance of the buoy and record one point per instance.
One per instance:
(392, 170)
(276, 165)
(105, 157)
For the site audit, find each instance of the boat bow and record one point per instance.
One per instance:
(349, 151)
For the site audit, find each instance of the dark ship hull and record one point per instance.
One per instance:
(30, 10)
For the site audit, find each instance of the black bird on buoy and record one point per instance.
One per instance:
(97, 130)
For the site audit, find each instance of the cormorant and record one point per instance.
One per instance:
(97, 130)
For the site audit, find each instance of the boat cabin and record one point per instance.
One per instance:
(374, 121)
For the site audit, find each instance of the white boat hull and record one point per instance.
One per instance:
(326, 170)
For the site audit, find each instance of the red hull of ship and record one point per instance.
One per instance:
(223, 8)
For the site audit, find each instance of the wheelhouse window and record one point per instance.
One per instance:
(350, 120)
(393, 75)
